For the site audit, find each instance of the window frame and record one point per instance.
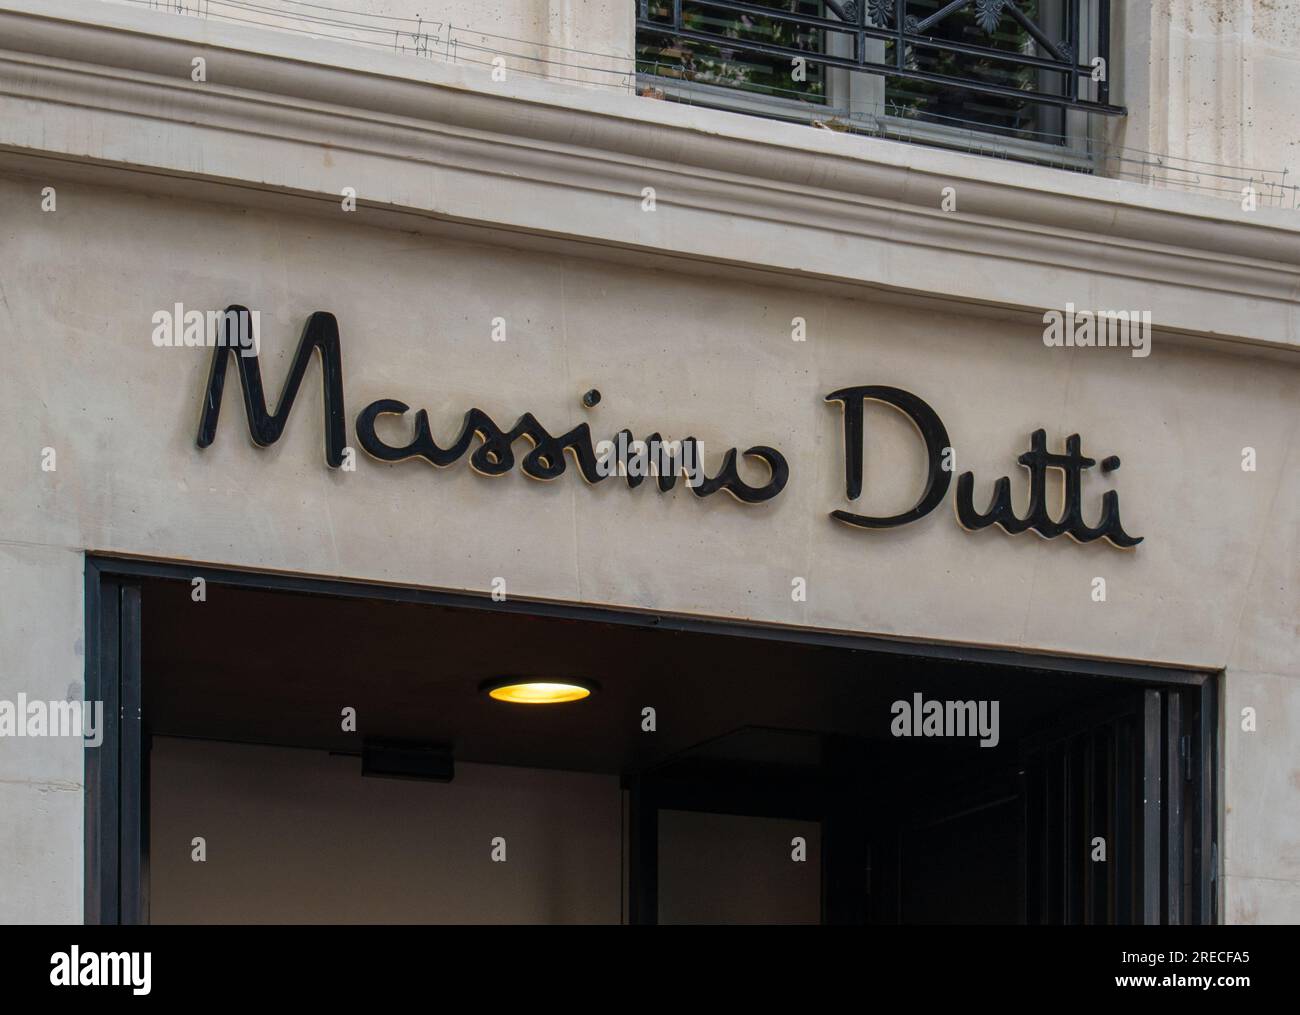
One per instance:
(1081, 133)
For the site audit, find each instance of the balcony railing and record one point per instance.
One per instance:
(995, 58)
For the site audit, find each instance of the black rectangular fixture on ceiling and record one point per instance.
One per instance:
(407, 759)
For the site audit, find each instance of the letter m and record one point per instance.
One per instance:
(1114, 324)
(321, 333)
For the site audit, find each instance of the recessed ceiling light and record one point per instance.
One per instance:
(524, 691)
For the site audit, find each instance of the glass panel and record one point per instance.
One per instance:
(727, 66)
(955, 104)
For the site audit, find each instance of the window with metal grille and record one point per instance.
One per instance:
(1026, 71)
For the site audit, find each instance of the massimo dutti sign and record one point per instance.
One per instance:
(654, 457)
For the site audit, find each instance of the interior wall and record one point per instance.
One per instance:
(295, 836)
(732, 869)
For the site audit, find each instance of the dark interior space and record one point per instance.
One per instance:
(274, 667)
(913, 829)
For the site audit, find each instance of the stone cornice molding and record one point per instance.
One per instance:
(109, 85)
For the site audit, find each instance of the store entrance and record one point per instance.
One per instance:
(296, 750)
(1085, 818)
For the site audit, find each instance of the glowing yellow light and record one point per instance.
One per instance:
(539, 692)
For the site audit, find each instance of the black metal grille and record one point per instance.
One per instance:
(926, 43)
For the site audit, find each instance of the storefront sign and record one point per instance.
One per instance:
(666, 461)
(938, 453)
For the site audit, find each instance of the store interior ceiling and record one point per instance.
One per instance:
(279, 667)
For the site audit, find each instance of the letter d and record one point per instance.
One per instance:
(932, 431)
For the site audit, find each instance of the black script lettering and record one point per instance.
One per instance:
(1038, 460)
(495, 457)
(321, 333)
(927, 421)
(728, 479)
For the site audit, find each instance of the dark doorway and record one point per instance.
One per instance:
(774, 786)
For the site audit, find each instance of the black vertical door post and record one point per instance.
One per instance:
(116, 781)
(643, 853)
(1174, 780)
(1150, 867)
(134, 807)
(1204, 857)
(101, 777)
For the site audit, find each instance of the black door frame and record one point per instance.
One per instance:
(116, 772)
(1143, 774)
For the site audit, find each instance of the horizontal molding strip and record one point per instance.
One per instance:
(558, 160)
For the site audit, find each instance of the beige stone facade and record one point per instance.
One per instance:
(524, 200)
